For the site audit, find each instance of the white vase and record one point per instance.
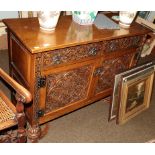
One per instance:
(84, 17)
(48, 19)
(126, 18)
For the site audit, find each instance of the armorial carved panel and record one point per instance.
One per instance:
(67, 87)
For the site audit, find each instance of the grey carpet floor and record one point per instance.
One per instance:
(90, 124)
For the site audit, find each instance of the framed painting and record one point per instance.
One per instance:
(135, 94)
(117, 83)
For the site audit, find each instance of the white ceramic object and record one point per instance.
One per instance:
(84, 17)
(126, 18)
(48, 19)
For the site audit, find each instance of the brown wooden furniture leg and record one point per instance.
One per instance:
(21, 132)
(34, 133)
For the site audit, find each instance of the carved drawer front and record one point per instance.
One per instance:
(70, 54)
(67, 87)
(123, 43)
(108, 70)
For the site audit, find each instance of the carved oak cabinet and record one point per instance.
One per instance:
(70, 67)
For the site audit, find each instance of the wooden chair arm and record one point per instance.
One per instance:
(20, 90)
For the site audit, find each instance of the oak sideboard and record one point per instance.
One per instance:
(70, 67)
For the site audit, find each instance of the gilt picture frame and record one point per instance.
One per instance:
(134, 94)
(113, 110)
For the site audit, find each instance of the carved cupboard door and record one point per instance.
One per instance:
(107, 71)
(65, 87)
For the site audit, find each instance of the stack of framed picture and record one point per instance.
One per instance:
(132, 93)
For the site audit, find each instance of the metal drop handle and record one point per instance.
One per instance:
(56, 59)
(93, 51)
(98, 71)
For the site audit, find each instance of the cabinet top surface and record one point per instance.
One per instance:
(67, 33)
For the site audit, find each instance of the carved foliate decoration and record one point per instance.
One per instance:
(36, 90)
(34, 132)
(109, 69)
(123, 43)
(8, 136)
(67, 87)
(70, 54)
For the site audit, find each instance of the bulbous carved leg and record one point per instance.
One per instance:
(21, 132)
(34, 133)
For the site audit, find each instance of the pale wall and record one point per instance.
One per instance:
(3, 36)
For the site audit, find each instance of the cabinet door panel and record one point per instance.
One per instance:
(67, 87)
(109, 68)
(20, 59)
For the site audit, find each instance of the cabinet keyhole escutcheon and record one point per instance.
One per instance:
(98, 71)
